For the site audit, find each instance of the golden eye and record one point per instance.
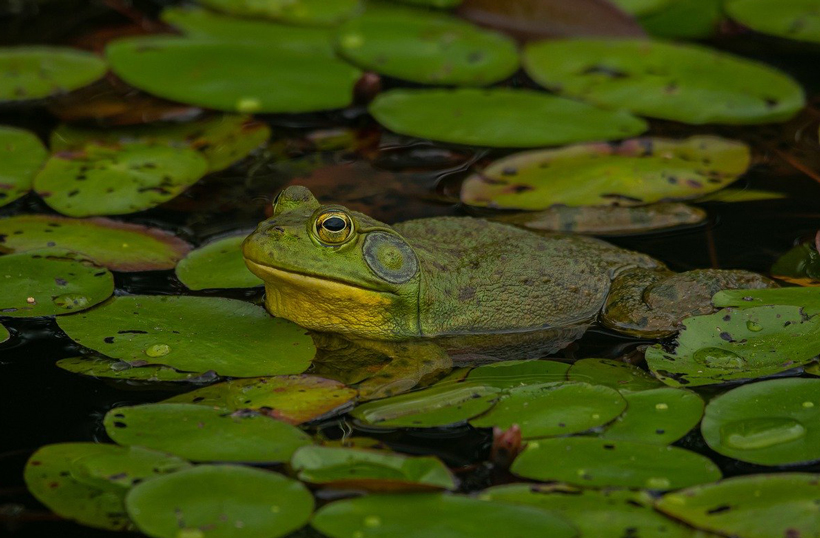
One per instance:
(334, 227)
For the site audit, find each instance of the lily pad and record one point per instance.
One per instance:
(800, 265)
(117, 245)
(553, 409)
(422, 515)
(642, 7)
(784, 430)
(307, 12)
(22, 155)
(293, 399)
(757, 506)
(201, 433)
(268, 79)
(612, 373)
(499, 117)
(679, 82)
(123, 466)
(193, 334)
(656, 416)
(795, 19)
(372, 470)
(4, 334)
(633, 172)
(50, 282)
(220, 501)
(806, 298)
(218, 264)
(110, 369)
(426, 48)
(509, 374)
(691, 19)
(28, 73)
(737, 343)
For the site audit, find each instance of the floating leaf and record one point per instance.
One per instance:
(308, 12)
(193, 334)
(800, 265)
(36, 72)
(509, 374)
(656, 416)
(110, 369)
(594, 462)
(499, 117)
(679, 82)
(218, 264)
(440, 4)
(206, 73)
(4, 334)
(642, 7)
(633, 172)
(293, 399)
(806, 298)
(732, 195)
(22, 155)
(123, 466)
(795, 19)
(690, 19)
(201, 433)
(220, 501)
(372, 470)
(49, 282)
(612, 373)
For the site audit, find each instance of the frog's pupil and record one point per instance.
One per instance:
(334, 224)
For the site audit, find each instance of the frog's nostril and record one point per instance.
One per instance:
(278, 229)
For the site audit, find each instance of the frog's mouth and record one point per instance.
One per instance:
(302, 280)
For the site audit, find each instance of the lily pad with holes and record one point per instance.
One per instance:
(657, 416)
(594, 462)
(673, 81)
(499, 117)
(800, 265)
(633, 172)
(509, 374)
(552, 409)
(201, 433)
(28, 73)
(795, 19)
(22, 155)
(117, 245)
(50, 282)
(615, 374)
(220, 501)
(426, 48)
(304, 12)
(217, 264)
(806, 298)
(105, 368)
(117, 180)
(193, 334)
(774, 422)
(371, 470)
(757, 506)
(268, 79)
(293, 399)
(737, 343)
(421, 515)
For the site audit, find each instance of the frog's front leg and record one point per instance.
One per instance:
(652, 303)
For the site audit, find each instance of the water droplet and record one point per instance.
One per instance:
(658, 482)
(755, 433)
(808, 405)
(31, 300)
(71, 301)
(661, 406)
(158, 350)
(372, 521)
(754, 326)
(715, 357)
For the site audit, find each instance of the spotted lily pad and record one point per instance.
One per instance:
(50, 282)
(201, 433)
(110, 369)
(499, 117)
(633, 172)
(206, 73)
(795, 19)
(28, 73)
(786, 430)
(806, 298)
(594, 462)
(218, 264)
(307, 12)
(508, 374)
(800, 265)
(193, 334)
(117, 245)
(612, 373)
(656, 416)
(293, 399)
(220, 501)
(680, 82)
(22, 155)
(373, 470)
(757, 506)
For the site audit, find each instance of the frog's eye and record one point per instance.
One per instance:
(334, 227)
(275, 202)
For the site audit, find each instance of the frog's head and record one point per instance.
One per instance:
(330, 269)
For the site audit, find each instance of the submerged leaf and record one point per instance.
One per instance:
(4, 334)
(22, 155)
(28, 73)
(800, 265)
(102, 367)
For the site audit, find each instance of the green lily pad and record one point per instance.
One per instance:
(102, 367)
(293, 399)
(220, 501)
(612, 373)
(732, 195)
(426, 48)
(509, 374)
(642, 7)
(50, 282)
(117, 245)
(441, 405)
(201, 433)
(757, 506)
(633, 172)
(22, 155)
(594, 462)
(806, 298)
(553, 409)
(4, 334)
(785, 430)
(373, 470)
(123, 466)
(795, 19)
(656, 416)
(206, 73)
(217, 264)
(499, 117)
(28, 73)
(690, 19)
(422, 515)
(193, 334)
(800, 265)
(737, 343)
(439, 4)
(679, 82)
(307, 12)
